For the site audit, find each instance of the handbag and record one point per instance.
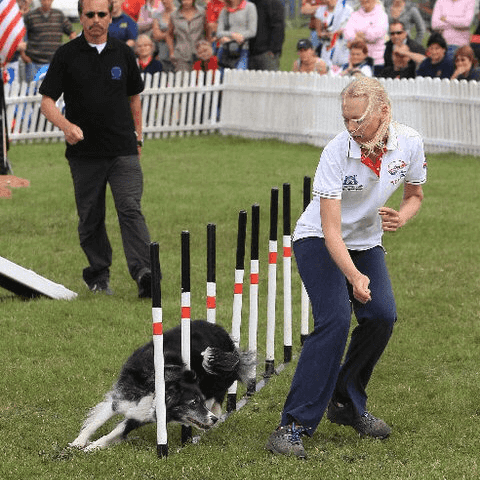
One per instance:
(231, 51)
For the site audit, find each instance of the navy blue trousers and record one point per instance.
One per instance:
(124, 175)
(320, 375)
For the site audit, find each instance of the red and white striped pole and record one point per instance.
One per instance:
(287, 276)
(304, 329)
(186, 316)
(254, 277)
(237, 299)
(211, 282)
(272, 285)
(158, 358)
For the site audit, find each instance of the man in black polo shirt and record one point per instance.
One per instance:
(101, 83)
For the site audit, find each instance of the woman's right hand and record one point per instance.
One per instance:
(360, 285)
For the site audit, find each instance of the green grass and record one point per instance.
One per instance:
(60, 357)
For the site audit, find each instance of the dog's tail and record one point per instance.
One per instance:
(218, 362)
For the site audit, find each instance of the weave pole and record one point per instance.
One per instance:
(304, 330)
(237, 299)
(272, 285)
(254, 277)
(185, 322)
(158, 358)
(211, 281)
(287, 276)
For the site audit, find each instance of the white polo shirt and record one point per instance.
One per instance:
(341, 175)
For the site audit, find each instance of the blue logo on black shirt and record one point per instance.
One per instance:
(116, 73)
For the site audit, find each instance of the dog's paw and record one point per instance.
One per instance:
(92, 447)
(77, 445)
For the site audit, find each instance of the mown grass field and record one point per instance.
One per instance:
(60, 357)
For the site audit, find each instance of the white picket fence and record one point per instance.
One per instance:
(306, 108)
(288, 106)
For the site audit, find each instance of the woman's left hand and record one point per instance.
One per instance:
(391, 219)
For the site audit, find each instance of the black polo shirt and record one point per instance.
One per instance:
(96, 88)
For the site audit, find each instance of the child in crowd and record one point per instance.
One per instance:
(206, 59)
(144, 48)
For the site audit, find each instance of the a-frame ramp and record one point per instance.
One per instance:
(29, 284)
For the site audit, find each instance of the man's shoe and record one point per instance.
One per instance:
(144, 283)
(365, 425)
(286, 440)
(100, 286)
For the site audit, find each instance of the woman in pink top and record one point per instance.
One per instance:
(369, 24)
(453, 18)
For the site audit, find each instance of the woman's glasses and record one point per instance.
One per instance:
(99, 14)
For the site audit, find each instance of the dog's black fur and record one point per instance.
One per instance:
(215, 364)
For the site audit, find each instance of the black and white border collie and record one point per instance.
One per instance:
(193, 397)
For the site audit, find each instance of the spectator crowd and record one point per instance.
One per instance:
(392, 38)
(389, 38)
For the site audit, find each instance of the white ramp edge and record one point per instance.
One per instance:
(27, 283)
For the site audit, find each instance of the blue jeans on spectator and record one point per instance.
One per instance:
(320, 376)
(31, 69)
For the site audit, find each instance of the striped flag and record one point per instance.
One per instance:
(12, 29)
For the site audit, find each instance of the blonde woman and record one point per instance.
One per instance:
(339, 253)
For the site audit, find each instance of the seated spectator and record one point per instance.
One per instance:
(237, 24)
(402, 67)
(206, 59)
(359, 63)
(437, 64)
(122, 26)
(370, 24)
(406, 12)
(150, 10)
(308, 61)
(144, 48)
(453, 19)
(466, 65)
(330, 20)
(402, 43)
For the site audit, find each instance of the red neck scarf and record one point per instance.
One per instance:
(374, 165)
(145, 64)
(242, 5)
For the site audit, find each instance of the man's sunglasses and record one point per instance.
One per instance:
(99, 14)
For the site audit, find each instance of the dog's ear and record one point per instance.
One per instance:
(190, 376)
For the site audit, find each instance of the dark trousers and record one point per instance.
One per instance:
(319, 375)
(124, 175)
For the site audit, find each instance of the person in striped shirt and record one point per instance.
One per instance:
(45, 27)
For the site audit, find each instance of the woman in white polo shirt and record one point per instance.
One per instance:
(339, 253)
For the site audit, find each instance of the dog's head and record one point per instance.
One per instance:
(185, 401)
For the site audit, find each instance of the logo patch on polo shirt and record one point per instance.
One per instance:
(395, 166)
(116, 73)
(350, 183)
